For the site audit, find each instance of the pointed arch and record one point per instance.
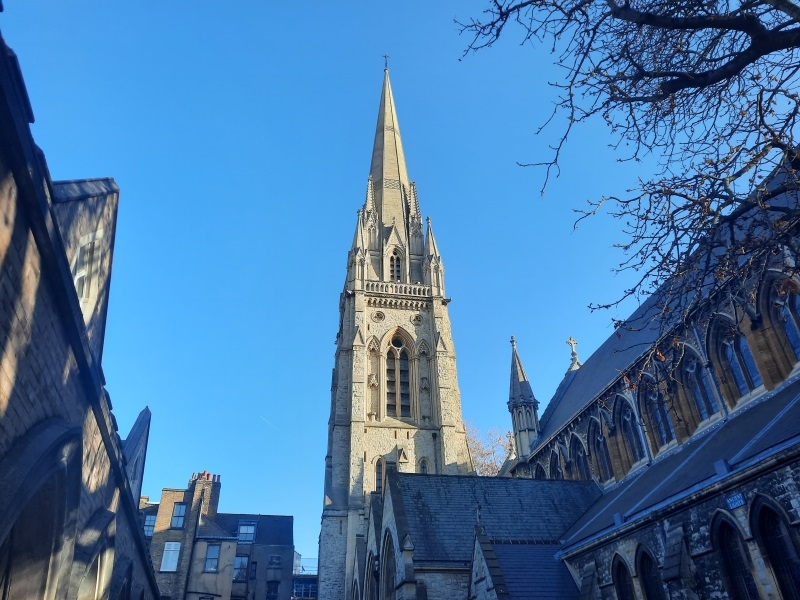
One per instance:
(697, 391)
(621, 576)
(580, 462)
(380, 474)
(399, 347)
(388, 569)
(734, 558)
(539, 472)
(656, 413)
(38, 509)
(628, 445)
(779, 543)
(733, 360)
(598, 451)
(556, 472)
(650, 580)
(371, 586)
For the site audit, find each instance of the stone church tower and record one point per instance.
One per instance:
(394, 394)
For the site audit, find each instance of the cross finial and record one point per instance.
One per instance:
(572, 342)
(386, 62)
(513, 342)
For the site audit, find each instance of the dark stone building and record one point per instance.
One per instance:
(69, 524)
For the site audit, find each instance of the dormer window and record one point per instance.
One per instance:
(246, 533)
(83, 270)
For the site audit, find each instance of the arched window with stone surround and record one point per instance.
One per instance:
(738, 367)
(395, 266)
(379, 473)
(598, 450)
(697, 386)
(779, 544)
(657, 414)
(398, 390)
(423, 466)
(737, 568)
(649, 577)
(623, 583)
(555, 466)
(387, 580)
(580, 463)
(629, 441)
(784, 312)
(539, 472)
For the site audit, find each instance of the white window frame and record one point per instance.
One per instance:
(169, 560)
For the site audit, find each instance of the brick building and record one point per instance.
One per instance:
(199, 553)
(69, 525)
(667, 465)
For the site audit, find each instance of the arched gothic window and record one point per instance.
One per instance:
(579, 461)
(657, 414)
(696, 383)
(736, 566)
(785, 305)
(650, 580)
(623, 584)
(781, 550)
(423, 466)
(630, 431)
(539, 472)
(398, 398)
(379, 475)
(395, 266)
(388, 570)
(738, 361)
(555, 466)
(598, 449)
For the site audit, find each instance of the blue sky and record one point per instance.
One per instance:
(240, 135)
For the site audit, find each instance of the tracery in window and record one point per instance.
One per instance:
(736, 564)
(580, 463)
(398, 396)
(737, 360)
(785, 304)
(423, 466)
(630, 431)
(696, 383)
(657, 414)
(555, 466)
(598, 450)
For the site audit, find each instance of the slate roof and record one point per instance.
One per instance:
(602, 368)
(441, 511)
(271, 530)
(531, 572)
(768, 426)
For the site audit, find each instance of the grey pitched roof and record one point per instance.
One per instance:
(531, 572)
(580, 387)
(271, 530)
(747, 436)
(441, 511)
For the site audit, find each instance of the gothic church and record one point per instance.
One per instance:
(667, 465)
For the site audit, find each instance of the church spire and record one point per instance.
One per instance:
(522, 405)
(388, 168)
